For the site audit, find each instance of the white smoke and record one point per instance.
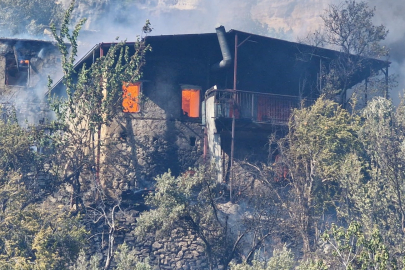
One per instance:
(391, 14)
(285, 19)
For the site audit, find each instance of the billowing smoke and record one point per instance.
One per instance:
(285, 19)
(26, 65)
(391, 14)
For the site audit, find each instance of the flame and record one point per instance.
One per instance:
(191, 102)
(130, 97)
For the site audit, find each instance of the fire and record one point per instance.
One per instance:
(130, 97)
(191, 102)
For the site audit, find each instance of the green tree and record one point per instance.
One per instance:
(382, 197)
(372, 176)
(124, 257)
(15, 145)
(319, 139)
(350, 248)
(94, 98)
(33, 234)
(17, 220)
(188, 202)
(83, 264)
(58, 241)
(349, 28)
(22, 17)
(195, 203)
(282, 259)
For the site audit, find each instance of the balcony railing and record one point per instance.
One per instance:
(254, 106)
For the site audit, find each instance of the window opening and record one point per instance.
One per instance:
(192, 141)
(190, 101)
(17, 71)
(130, 97)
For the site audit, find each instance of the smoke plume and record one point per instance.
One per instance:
(285, 19)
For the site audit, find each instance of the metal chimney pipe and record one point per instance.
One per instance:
(226, 54)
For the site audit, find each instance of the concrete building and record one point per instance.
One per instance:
(25, 65)
(214, 97)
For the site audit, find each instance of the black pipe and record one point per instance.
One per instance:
(226, 54)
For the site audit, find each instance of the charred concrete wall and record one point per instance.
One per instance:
(213, 137)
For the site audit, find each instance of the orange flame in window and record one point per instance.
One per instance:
(130, 97)
(190, 102)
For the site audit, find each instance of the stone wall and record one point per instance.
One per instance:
(182, 250)
(145, 148)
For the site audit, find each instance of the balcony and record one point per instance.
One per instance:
(253, 107)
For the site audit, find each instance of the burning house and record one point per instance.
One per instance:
(24, 68)
(214, 96)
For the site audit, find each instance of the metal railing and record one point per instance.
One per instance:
(255, 106)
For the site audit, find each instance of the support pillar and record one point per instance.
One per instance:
(235, 73)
